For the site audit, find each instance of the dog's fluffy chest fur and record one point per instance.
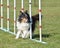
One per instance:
(23, 26)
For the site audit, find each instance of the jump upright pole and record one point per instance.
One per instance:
(30, 2)
(22, 5)
(1, 14)
(14, 16)
(40, 24)
(8, 15)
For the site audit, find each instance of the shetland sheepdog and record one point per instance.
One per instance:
(23, 25)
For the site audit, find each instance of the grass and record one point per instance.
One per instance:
(50, 26)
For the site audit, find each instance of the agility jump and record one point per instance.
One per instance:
(22, 8)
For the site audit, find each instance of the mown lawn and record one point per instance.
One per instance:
(50, 26)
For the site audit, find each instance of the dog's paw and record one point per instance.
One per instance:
(16, 38)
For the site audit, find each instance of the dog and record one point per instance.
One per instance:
(23, 25)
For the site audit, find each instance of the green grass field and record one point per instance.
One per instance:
(50, 26)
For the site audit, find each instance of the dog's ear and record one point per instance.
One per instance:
(26, 11)
(21, 12)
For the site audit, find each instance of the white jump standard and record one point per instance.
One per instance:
(8, 17)
(40, 25)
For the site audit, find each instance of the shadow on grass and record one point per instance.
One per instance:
(43, 35)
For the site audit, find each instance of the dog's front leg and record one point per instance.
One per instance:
(25, 34)
(18, 34)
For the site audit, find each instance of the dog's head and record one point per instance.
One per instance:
(24, 17)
